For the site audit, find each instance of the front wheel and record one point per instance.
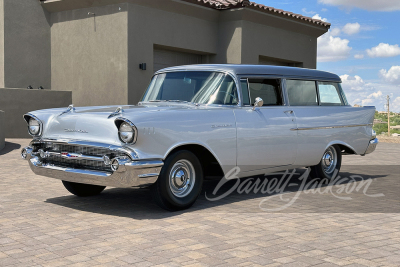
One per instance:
(329, 166)
(83, 190)
(180, 181)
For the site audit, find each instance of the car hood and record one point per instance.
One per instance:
(97, 124)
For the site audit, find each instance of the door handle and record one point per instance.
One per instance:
(289, 111)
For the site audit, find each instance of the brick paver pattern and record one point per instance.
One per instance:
(41, 224)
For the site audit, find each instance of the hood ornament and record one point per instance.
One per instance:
(69, 109)
(117, 112)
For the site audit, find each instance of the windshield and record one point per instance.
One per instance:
(201, 87)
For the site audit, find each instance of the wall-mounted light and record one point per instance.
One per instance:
(91, 13)
(29, 87)
(143, 66)
(40, 88)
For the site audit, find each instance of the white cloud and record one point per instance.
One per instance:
(335, 31)
(375, 95)
(392, 75)
(351, 28)
(396, 104)
(355, 83)
(317, 16)
(324, 10)
(367, 93)
(367, 102)
(305, 11)
(332, 48)
(384, 50)
(358, 56)
(373, 5)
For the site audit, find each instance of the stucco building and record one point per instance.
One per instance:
(92, 49)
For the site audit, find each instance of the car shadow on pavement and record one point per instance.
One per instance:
(9, 148)
(369, 191)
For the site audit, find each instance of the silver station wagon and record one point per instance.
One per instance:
(200, 121)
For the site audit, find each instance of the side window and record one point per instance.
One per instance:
(268, 89)
(329, 94)
(302, 93)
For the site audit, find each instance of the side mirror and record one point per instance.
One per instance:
(258, 103)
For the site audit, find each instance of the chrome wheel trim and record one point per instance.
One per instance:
(182, 178)
(329, 161)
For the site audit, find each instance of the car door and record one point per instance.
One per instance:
(265, 135)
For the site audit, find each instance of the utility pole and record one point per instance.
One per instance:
(388, 113)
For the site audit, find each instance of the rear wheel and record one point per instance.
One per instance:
(329, 166)
(180, 181)
(83, 190)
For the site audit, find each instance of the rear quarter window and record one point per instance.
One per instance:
(329, 94)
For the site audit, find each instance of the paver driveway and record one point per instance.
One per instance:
(41, 224)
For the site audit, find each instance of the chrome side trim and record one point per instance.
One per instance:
(329, 127)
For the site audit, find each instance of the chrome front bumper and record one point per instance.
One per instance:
(372, 146)
(130, 173)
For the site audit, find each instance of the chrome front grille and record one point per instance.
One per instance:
(63, 155)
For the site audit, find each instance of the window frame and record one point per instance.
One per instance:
(281, 85)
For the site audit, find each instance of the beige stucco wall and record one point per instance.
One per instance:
(25, 45)
(163, 23)
(2, 130)
(90, 54)
(17, 102)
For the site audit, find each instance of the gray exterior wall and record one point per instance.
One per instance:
(280, 38)
(90, 54)
(170, 25)
(1, 43)
(17, 102)
(2, 130)
(98, 57)
(25, 44)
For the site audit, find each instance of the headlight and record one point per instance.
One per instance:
(127, 132)
(373, 134)
(33, 127)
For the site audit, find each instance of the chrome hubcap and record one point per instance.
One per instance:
(329, 160)
(182, 178)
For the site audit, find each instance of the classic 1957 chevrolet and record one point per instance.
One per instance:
(201, 121)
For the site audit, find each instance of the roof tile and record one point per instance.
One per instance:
(229, 4)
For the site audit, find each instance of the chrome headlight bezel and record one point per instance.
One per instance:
(33, 122)
(127, 131)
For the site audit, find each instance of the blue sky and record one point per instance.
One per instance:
(366, 29)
